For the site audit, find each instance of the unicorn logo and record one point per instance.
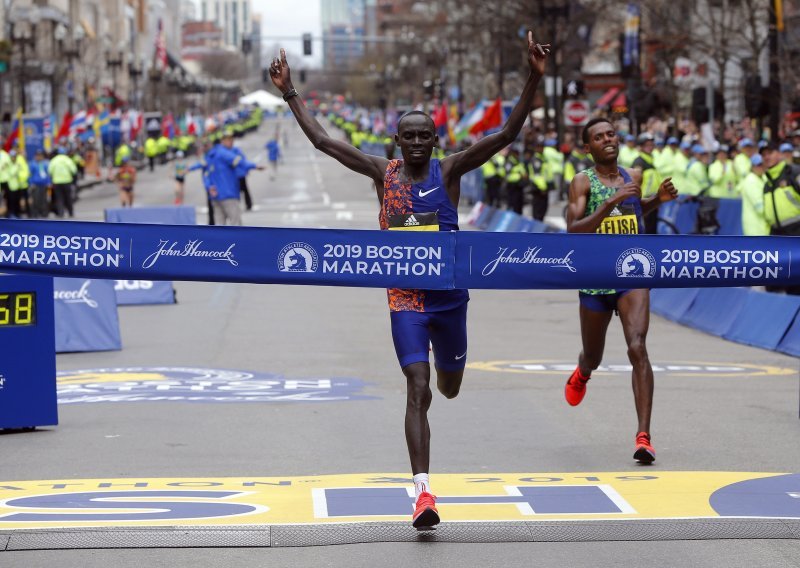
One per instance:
(297, 257)
(636, 263)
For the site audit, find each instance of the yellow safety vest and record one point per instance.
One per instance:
(782, 197)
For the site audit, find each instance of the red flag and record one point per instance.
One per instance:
(492, 118)
(440, 116)
(15, 131)
(136, 127)
(66, 122)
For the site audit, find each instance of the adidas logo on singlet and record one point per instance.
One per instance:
(411, 222)
(615, 212)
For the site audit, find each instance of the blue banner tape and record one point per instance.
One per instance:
(387, 259)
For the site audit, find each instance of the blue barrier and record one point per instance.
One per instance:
(672, 303)
(683, 214)
(140, 292)
(790, 344)
(472, 186)
(167, 215)
(86, 315)
(764, 319)
(715, 309)
(502, 222)
(485, 217)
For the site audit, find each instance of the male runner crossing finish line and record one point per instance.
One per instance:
(607, 199)
(418, 193)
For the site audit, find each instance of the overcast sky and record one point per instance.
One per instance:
(290, 18)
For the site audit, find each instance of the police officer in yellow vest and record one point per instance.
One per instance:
(651, 179)
(697, 182)
(781, 198)
(494, 172)
(751, 189)
(537, 178)
(722, 176)
(163, 144)
(665, 161)
(151, 151)
(575, 163)
(555, 162)
(742, 160)
(62, 171)
(781, 192)
(123, 151)
(516, 175)
(15, 194)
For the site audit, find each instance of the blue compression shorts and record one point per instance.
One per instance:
(601, 302)
(413, 332)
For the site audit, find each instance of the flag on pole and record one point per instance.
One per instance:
(630, 51)
(78, 123)
(160, 53)
(492, 118)
(17, 134)
(66, 124)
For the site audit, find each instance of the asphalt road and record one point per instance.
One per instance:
(502, 421)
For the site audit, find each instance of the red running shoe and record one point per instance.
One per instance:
(575, 389)
(644, 451)
(425, 515)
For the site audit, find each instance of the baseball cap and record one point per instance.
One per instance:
(550, 142)
(745, 142)
(699, 149)
(756, 160)
(643, 137)
(672, 140)
(630, 138)
(786, 147)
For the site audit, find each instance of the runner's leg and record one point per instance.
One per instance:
(594, 325)
(634, 312)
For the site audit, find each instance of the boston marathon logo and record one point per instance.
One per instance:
(533, 255)
(722, 264)
(185, 384)
(636, 263)
(674, 369)
(298, 257)
(193, 249)
(367, 259)
(59, 250)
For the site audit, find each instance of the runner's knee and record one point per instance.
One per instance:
(418, 385)
(449, 382)
(637, 350)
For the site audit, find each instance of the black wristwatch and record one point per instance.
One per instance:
(289, 94)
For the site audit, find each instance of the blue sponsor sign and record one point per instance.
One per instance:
(393, 259)
(111, 132)
(521, 261)
(34, 135)
(86, 315)
(27, 352)
(187, 384)
(143, 292)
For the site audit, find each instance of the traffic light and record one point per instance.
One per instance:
(306, 44)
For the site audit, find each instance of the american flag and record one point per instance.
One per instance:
(161, 48)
